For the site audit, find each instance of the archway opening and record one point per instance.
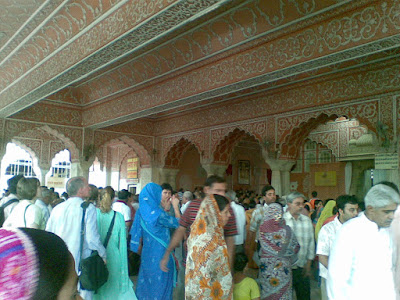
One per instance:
(97, 174)
(17, 161)
(60, 171)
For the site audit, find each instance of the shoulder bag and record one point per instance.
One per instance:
(93, 270)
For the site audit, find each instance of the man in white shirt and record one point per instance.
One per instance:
(122, 207)
(65, 221)
(12, 188)
(347, 208)
(187, 197)
(240, 215)
(304, 231)
(269, 196)
(43, 200)
(361, 259)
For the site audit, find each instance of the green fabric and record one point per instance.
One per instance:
(247, 289)
(118, 286)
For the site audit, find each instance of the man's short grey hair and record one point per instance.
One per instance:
(293, 195)
(381, 195)
(74, 184)
(231, 195)
(188, 195)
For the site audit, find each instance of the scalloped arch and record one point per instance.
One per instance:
(221, 134)
(223, 151)
(292, 142)
(26, 148)
(70, 145)
(175, 153)
(141, 152)
(172, 142)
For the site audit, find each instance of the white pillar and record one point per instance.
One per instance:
(43, 170)
(280, 174)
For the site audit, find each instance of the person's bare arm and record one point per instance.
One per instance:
(175, 241)
(175, 205)
(323, 259)
(307, 269)
(230, 244)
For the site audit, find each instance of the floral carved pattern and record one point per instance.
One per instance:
(328, 139)
(257, 129)
(176, 152)
(197, 139)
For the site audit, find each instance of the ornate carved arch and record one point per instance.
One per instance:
(197, 139)
(141, 152)
(224, 149)
(292, 130)
(32, 153)
(28, 148)
(69, 144)
(256, 129)
(176, 152)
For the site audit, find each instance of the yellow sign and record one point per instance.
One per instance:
(56, 182)
(325, 178)
(132, 168)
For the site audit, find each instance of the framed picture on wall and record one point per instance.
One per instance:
(244, 172)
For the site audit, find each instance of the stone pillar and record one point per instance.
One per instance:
(169, 176)
(44, 170)
(214, 169)
(146, 176)
(80, 168)
(280, 174)
(108, 175)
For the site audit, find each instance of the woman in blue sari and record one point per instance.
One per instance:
(152, 228)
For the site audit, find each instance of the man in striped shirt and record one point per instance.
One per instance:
(304, 232)
(213, 185)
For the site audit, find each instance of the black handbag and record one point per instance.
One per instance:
(93, 270)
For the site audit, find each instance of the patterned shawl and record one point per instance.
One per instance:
(208, 274)
(276, 238)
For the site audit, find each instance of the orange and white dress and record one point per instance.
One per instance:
(208, 274)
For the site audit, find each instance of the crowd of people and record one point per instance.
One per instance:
(197, 245)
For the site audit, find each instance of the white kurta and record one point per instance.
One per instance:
(65, 221)
(240, 215)
(361, 262)
(45, 211)
(326, 236)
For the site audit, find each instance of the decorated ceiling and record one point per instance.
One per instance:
(158, 64)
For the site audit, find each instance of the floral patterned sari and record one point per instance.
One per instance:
(277, 254)
(208, 274)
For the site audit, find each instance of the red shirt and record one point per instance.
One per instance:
(190, 215)
(191, 212)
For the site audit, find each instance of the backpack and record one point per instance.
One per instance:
(2, 216)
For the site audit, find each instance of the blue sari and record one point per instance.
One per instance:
(153, 224)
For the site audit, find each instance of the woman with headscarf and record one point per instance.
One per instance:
(278, 249)
(152, 227)
(326, 213)
(208, 274)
